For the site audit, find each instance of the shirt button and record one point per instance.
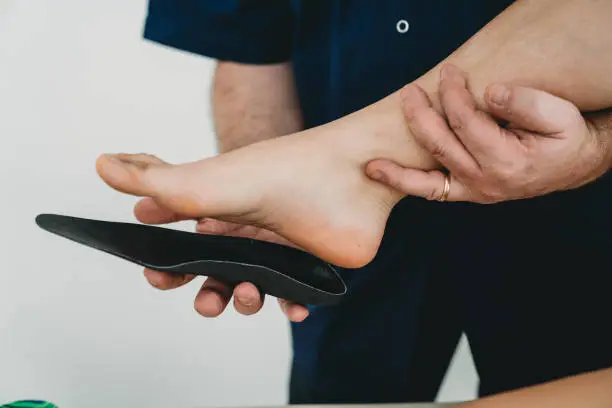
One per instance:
(402, 26)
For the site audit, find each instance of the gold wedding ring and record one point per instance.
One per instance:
(446, 190)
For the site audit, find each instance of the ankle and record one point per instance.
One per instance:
(378, 131)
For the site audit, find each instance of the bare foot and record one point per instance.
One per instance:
(309, 187)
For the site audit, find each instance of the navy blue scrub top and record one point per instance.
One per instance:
(346, 55)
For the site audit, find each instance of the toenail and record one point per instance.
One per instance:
(131, 161)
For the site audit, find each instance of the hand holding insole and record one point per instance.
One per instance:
(277, 270)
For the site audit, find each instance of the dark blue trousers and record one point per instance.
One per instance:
(529, 282)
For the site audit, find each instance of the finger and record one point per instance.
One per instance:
(166, 281)
(247, 299)
(431, 131)
(148, 211)
(215, 227)
(476, 130)
(531, 109)
(213, 297)
(295, 312)
(418, 183)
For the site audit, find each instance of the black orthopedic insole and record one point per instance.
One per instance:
(277, 270)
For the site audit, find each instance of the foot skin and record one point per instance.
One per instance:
(314, 195)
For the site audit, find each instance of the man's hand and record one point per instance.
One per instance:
(214, 296)
(546, 146)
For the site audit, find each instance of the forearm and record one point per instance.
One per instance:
(561, 46)
(591, 390)
(252, 103)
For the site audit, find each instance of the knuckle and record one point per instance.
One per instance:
(470, 174)
(437, 149)
(465, 119)
(504, 176)
(491, 195)
(458, 120)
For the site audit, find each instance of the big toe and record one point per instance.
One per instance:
(177, 188)
(129, 173)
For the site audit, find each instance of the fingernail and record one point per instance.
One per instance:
(155, 281)
(134, 162)
(499, 94)
(118, 159)
(377, 175)
(381, 177)
(299, 315)
(245, 301)
(111, 157)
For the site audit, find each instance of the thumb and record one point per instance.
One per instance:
(530, 109)
(418, 183)
(149, 211)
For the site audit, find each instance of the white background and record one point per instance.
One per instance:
(78, 327)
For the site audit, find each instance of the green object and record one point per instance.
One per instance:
(29, 404)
